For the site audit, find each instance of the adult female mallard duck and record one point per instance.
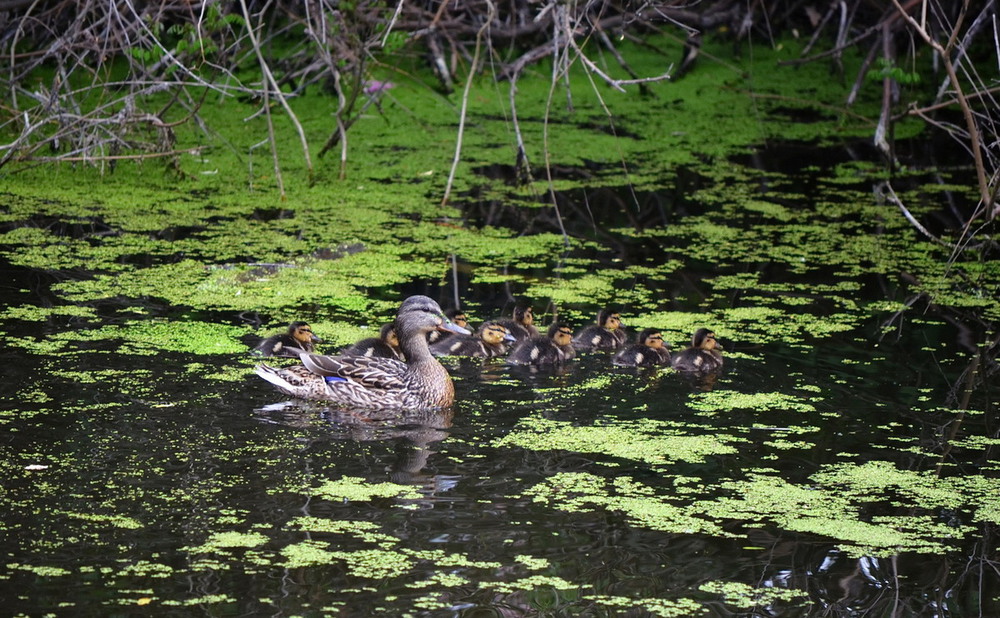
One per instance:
(553, 349)
(490, 340)
(386, 345)
(606, 334)
(702, 357)
(457, 317)
(647, 352)
(378, 383)
(299, 335)
(522, 326)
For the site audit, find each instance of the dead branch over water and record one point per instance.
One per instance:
(79, 76)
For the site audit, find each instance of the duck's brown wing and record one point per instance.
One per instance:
(370, 372)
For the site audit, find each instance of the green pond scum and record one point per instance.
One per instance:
(149, 470)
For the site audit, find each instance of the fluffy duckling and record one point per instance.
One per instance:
(377, 383)
(606, 334)
(457, 317)
(386, 345)
(702, 357)
(522, 326)
(490, 340)
(299, 335)
(647, 352)
(553, 349)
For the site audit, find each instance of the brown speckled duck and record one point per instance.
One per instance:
(606, 334)
(457, 317)
(386, 345)
(489, 341)
(522, 325)
(702, 357)
(299, 335)
(378, 383)
(553, 349)
(647, 352)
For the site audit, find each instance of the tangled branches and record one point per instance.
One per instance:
(96, 82)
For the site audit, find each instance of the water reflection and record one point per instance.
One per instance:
(413, 432)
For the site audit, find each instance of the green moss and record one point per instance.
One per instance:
(529, 583)
(357, 489)
(722, 401)
(578, 492)
(648, 441)
(748, 597)
(39, 570)
(230, 540)
(374, 563)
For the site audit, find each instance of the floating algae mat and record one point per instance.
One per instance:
(844, 462)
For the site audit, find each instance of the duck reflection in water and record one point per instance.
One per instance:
(413, 432)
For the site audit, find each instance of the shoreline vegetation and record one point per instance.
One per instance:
(101, 84)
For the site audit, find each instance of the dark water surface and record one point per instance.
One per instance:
(178, 495)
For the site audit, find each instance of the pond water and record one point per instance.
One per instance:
(843, 464)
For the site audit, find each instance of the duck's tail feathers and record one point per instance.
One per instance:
(271, 375)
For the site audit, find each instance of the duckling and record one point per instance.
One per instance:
(386, 345)
(648, 351)
(702, 357)
(553, 349)
(522, 326)
(606, 334)
(299, 335)
(490, 340)
(457, 317)
(375, 383)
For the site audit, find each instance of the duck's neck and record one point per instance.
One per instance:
(415, 350)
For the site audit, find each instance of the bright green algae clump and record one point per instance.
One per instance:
(647, 440)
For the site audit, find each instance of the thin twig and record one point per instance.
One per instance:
(266, 70)
(465, 103)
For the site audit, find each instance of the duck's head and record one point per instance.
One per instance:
(420, 314)
(388, 335)
(524, 315)
(651, 338)
(495, 334)
(458, 317)
(303, 333)
(561, 334)
(704, 339)
(609, 319)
